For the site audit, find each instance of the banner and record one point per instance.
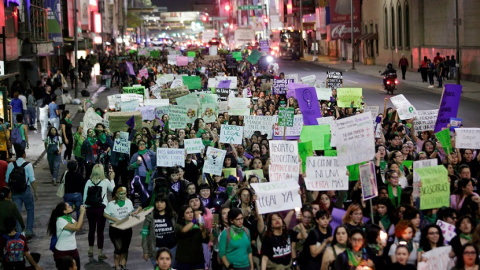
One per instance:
(280, 86)
(355, 139)
(148, 113)
(275, 197)
(156, 102)
(143, 73)
(260, 123)
(436, 259)
(324, 173)
(435, 190)
(291, 133)
(193, 146)
(316, 134)
(239, 106)
(368, 181)
(208, 112)
(192, 82)
(405, 110)
(345, 96)
(214, 161)
(139, 90)
(448, 105)
(284, 160)
(191, 99)
(286, 116)
(416, 178)
(425, 120)
(308, 103)
(323, 93)
(177, 117)
(170, 157)
(334, 79)
(467, 138)
(231, 134)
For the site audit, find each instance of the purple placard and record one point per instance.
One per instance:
(448, 105)
(280, 86)
(130, 68)
(308, 103)
(337, 216)
(286, 137)
(224, 84)
(292, 87)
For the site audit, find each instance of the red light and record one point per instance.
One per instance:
(204, 18)
(388, 82)
(396, 81)
(231, 26)
(227, 7)
(265, 20)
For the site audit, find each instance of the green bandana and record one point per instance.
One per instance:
(195, 226)
(91, 140)
(102, 137)
(466, 236)
(68, 121)
(392, 197)
(121, 203)
(352, 258)
(236, 232)
(67, 218)
(142, 152)
(385, 221)
(99, 113)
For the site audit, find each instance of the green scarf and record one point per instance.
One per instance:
(392, 197)
(68, 121)
(142, 152)
(466, 236)
(91, 140)
(121, 203)
(195, 226)
(385, 221)
(236, 232)
(352, 258)
(67, 218)
(102, 137)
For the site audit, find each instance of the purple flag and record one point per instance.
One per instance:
(224, 84)
(308, 103)
(448, 105)
(337, 216)
(292, 87)
(131, 122)
(130, 69)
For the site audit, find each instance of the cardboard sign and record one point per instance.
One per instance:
(191, 99)
(208, 112)
(323, 93)
(280, 86)
(368, 181)
(316, 134)
(345, 96)
(405, 110)
(173, 93)
(170, 157)
(324, 173)
(437, 258)
(355, 139)
(118, 120)
(114, 101)
(214, 161)
(129, 106)
(178, 117)
(193, 146)
(192, 112)
(416, 178)
(260, 123)
(290, 132)
(308, 103)
(445, 140)
(286, 116)
(284, 161)
(374, 110)
(143, 73)
(192, 82)
(435, 190)
(165, 78)
(176, 83)
(148, 113)
(425, 120)
(279, 196)
(239, 106)
(191, 54)
(122, 145)
(231, 134)
(309, 80)
(448, 105)
(156, 102)
(467, 138)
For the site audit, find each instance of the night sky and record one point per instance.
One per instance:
(174, 5)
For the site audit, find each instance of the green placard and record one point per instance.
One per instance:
(155, 54)
(134, 90)
(191, 54)
(237, 56)
(444, 138)
(229, 171)
(354, 172)
(192, 82)
(254, 57)
(330, 153)
(435, 190)
(305, 150)
(286, 117)
(133, 51)
(250, 7)
(316, 135)
(347, 95)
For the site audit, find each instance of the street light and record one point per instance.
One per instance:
(227, 7)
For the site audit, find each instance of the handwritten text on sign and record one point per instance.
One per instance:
(193, 146)
(284, 160)
(274, 197)
(467, 138)
(122, 145)
(231, 134)
(280, 86)
(404, 108)
(355, 139)
(260, 123)
(170, 157)
(214, 162)
(324, 173)
(425, 120)
(435, 190)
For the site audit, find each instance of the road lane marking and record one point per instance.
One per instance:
(435, 105)
(351, 81)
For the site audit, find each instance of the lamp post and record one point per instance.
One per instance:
(301, 30)
(457, 54)
(351, 30)
(75, 46)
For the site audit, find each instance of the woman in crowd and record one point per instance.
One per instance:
(215, 237)
(464, 189)
(164, 259)
(404, 232)
(317, 241)
(63, 226)
(153, 240)
(338, 246)
(67, 135)
(119, 162)
(95, 199)
(468, 258)
(393, 187)
(464, 228)
(353, 218)
(9, 209)
(53, 146)
(78, 140)
(74, 186)
(355, 255)
(104, 144)
(89, 151)
(402, 254)
(276, 244)
(143, 163)
(384, 216)
(235, 248)
(432, 237)
(119, 208)
(66, 263)
(306, 224)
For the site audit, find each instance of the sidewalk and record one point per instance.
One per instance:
(471, 90)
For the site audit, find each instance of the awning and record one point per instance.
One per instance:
(362, 36)
(368, 36)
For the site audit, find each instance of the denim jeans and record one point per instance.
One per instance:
(440, 80)
(27, 199)
(53, 164)
(74, 199)
(31, 116)
(14, 117)
(55, 122)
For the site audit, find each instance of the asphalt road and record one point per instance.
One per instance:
(374, 94)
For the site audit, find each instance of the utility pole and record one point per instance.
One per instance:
(457, 54)
(301, 29)
(75, 45)
(353, 41)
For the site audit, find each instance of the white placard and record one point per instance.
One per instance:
(222, 106)
(368, 181)
(172, 58)
(310, 80)
(122, 145)
(231, 134)
(416, 177)
(170, 157)
(284, 163)
(448, 230)
(166, 78)
(324, 173)
(289, 131)
(323, 93)
(437, 258)
(425, 120)
(405, 110)
(355, 139)
(374, 110)
(214, 161)
(238, 106)
(177, 116)
(260, 123)
(129, 106)
(176, 83)
(148, 113)
(156, 102)
(292, 76)
(193, 146)
(90, 120)
(279, 196)
(114, 101)
(232, 79)
(128, 97)
(212, 82)
(467, 138)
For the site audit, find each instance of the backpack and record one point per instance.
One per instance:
(17, 181)
(16, 136)
(94, 196)
(85, 93)
(14, 248)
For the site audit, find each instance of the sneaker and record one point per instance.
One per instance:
(102, 257)
(430, 86)
(64, 162)
(54, 182)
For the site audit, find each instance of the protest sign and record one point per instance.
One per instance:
(193, 146)
(130, 69)
(214, 161)
(324, 173)
(264, 47)
(192, 82)
(173, 93)
(191, 54)
(231, 134)
(355, 139)
(129, 106)
(155, 91)
(222, 93)
(224, 84)
(284, 160)
(330, 153)
(309, 80)
(275, 197)
(345, 96)
(329, 120)
(143, 73)
(229, 171)
(353, 172)
(292, 76)
(208, 112)
(374, 110)
(435, 190)
(425, 120)
(291, 89)
(165, 78)
(118, 120)
(280, 86)
(122, 144)
(114, 101)
(416, 178)
(172, 59)
(257, 173)
(176, 83)
(448, 105)
(260, 123)
(455, 123)
(222, 106)
(467, 138)
(161, 111)
(90, 119)
(323, 93)
(405, 110)
(192, 112)
(177, 116)
(237, 56)
(156, 102)
(445, 140)
(182, 61)
(239, 106)
(148, 113)
(290, 132)
(254, 57)
(448, 230)
(308, 103)
(207, 98)
(232, 79)
(436, 259)
(155, 54)
(334, 79)
(305, 150)
(212, 82)
(191, 98)
(139, 90)
(368, 181)
(170, 157)
(128, 97)
(286, 116)
(316, 134)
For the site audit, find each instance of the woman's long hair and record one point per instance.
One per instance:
(181, 219)
(97, 174)
(269, 231)
(56, 213)
(4, 192)
(168, 207)
(425, 244)
(460, 262)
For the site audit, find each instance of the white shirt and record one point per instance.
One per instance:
(66, 239)
(24, 101)
(115, 211)
(105, 184)
(44, 112)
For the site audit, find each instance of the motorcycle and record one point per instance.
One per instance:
(390, 81)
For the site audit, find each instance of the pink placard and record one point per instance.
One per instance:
(182, 60)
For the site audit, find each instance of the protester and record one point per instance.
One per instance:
(277, 244)
(338, 245)
(74, 186)
(67, 135)
(9, 209)
(53, 146)
(355, 254)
